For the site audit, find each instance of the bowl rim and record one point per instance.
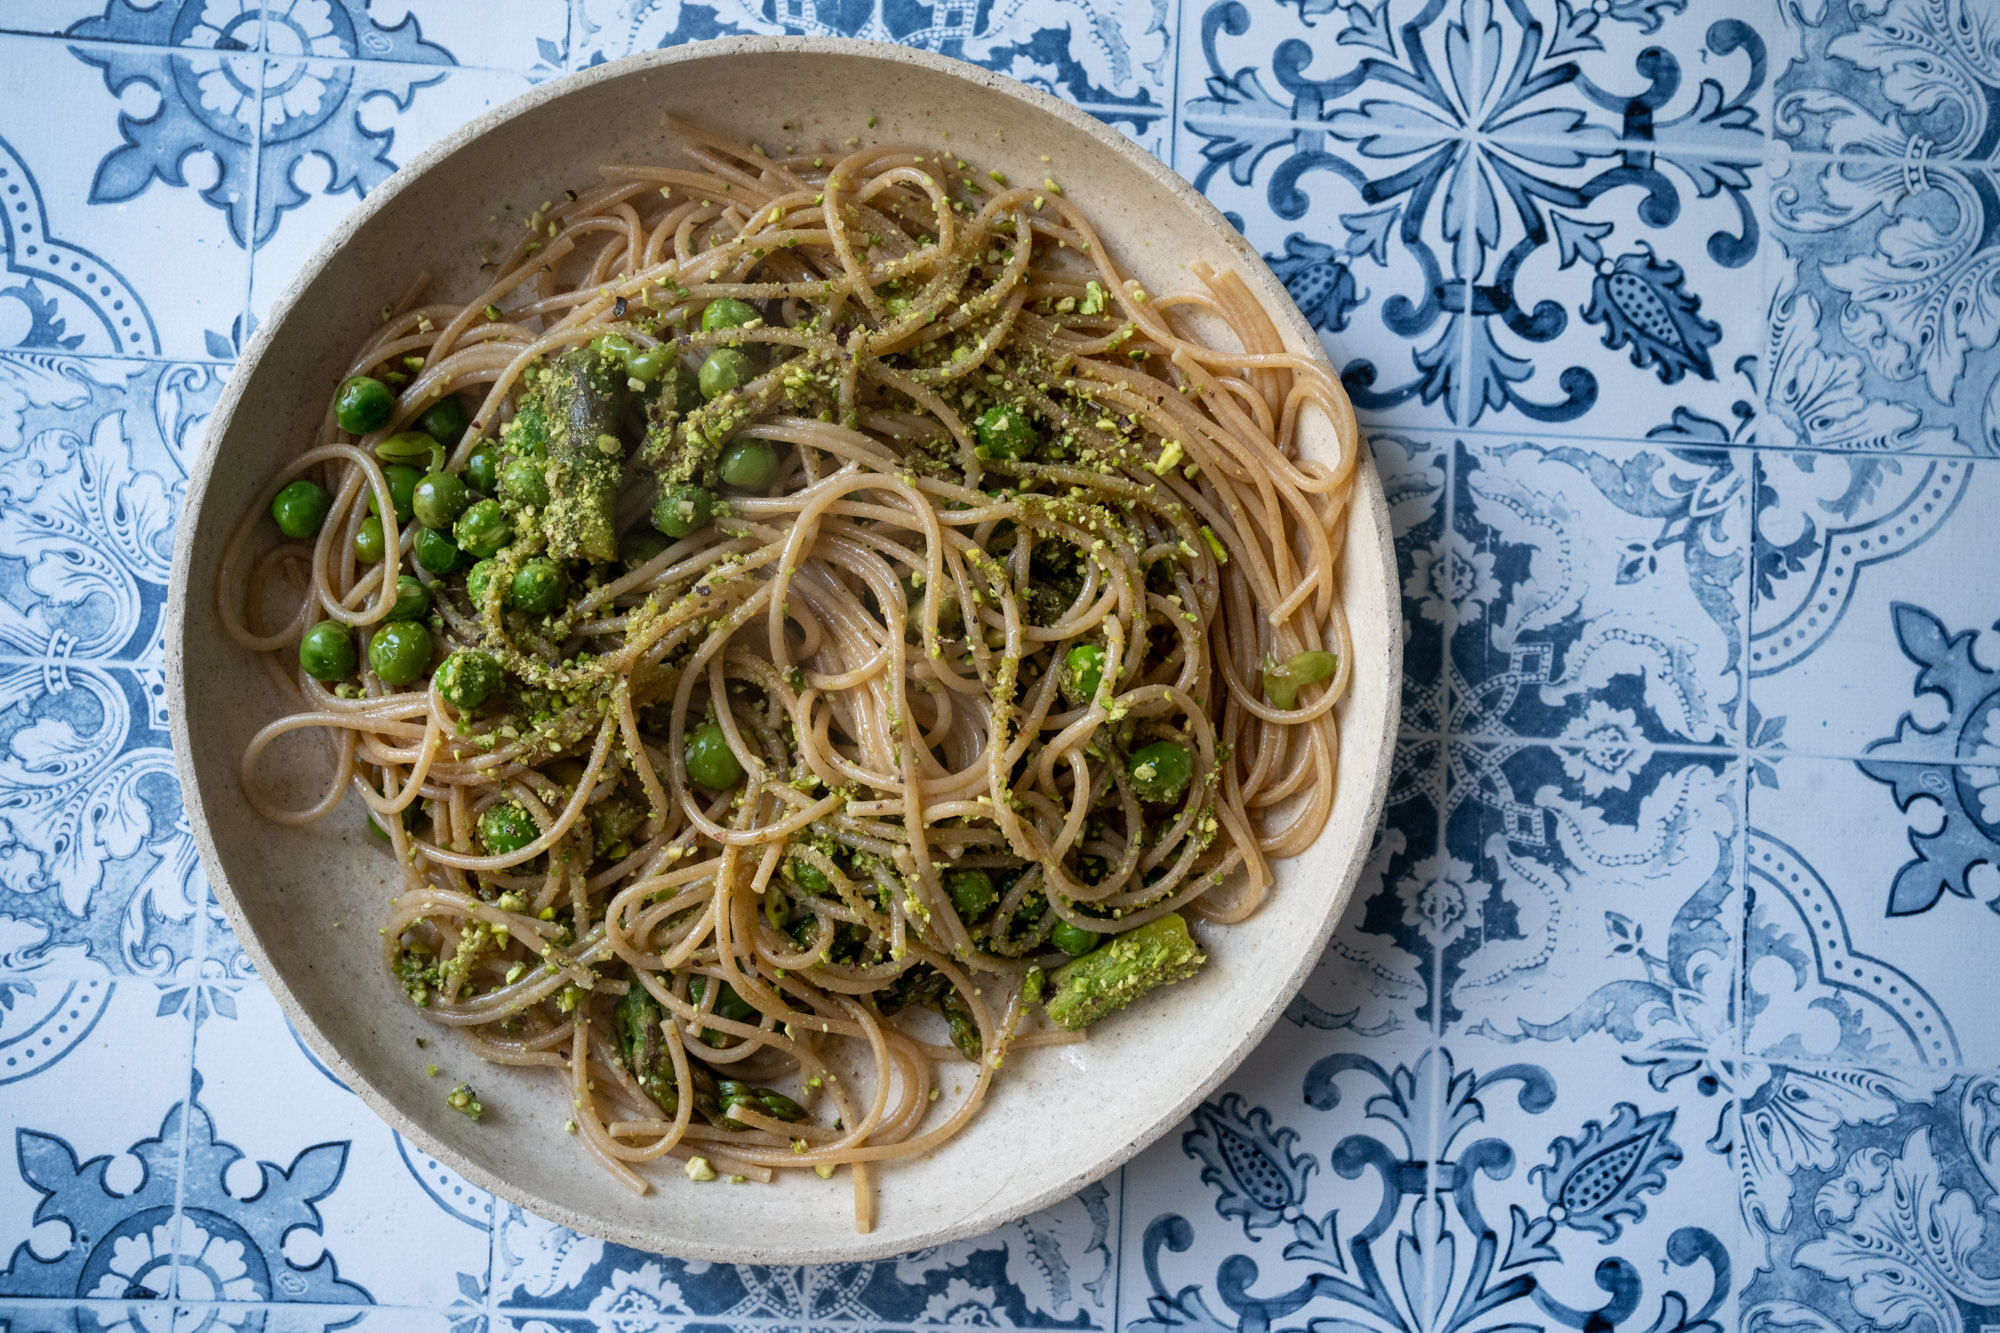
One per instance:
(1368, 496)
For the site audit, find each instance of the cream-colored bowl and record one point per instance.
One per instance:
(305, 901)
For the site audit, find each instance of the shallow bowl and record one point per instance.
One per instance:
(304, 901)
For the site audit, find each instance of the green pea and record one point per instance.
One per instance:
(1073, 940)
(728, 313)
(808, 876)
(647, 366)
(370, 544)
(362, 404)
(638, 547)
(506, 827)
(445, 420)
(483, 529)
(682, 511)
(523, 482)
(1086, 671)
(479, 580)
(1006, 432)
(438, 500)
(435, 551)
(402, 479)
(972, 893)
(749, 465)
(301, 508)
(538, 587)
(1160, 771)
(400, 651)
(468, 678)
(413, 599)
(482, 470)
(614, 345)
(725, 368)
(710, 761)
(327, 651)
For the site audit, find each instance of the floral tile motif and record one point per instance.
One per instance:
(1586, 894)
(378, 1200)
(1375, 978)
(1413, 470)
(1858, 949)
(1301, 1187)
(1458, 131)
(1869, 628)
(90, 1183)
(1597, 593)
(1885, 317)
(1895, 79)
(1113, 57)
(356, 123)
(1053, 1269)
(1883, 1219)
(533, 40)
(128, 176)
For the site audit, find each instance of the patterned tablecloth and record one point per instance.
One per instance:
(1666, 999)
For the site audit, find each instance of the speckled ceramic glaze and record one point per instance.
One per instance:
(305, 901)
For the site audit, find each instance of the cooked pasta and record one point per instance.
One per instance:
(809, 625)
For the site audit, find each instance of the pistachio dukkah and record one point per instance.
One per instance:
(809, 624)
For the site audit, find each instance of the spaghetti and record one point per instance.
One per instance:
(808, 621)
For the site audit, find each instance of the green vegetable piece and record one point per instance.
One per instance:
(808, 876)
(506, 828)
(438, 500)
(469, 677)
(463, 1100)
(483, 529)
(1005, 432)
(749, 465)
(1283, 683)
(370, 544)
(724, 369)
(710, 761)
(362, 404)
(581, 397)
(445, 420)
(523, 481)
(478, 580)
(482, 470)
(402, 479)
(1122, 969)
(1160, 771)
(959, 1022)
(640, 1039)
(728, 313)
(728, 1004)
(400, 651)
(327, 651)
(1073, 940)
(300, 509)
(972, 893)
(647, 366)
(406, 444)
(1086, 672)
(538, 587)
(436, 552)
(413, 599)
(681, 511)
(638, 547)
(779, 1107)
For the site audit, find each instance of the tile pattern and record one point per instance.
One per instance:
(1663, 1001)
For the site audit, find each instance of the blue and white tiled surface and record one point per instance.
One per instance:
(1668, 999)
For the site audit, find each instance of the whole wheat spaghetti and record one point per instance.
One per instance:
(809, 622)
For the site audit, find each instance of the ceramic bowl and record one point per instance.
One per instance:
(1059, 1117)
